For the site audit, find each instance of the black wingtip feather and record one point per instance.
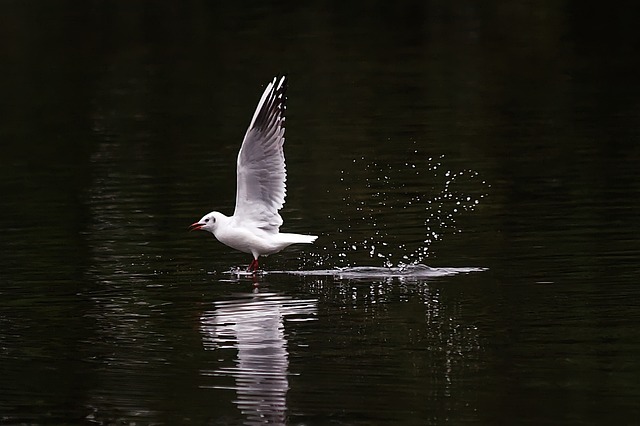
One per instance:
(275, 104)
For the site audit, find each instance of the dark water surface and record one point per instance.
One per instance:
(499, 137)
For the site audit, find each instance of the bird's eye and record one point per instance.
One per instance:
(206, 220)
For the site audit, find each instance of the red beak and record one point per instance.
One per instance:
(195, 226)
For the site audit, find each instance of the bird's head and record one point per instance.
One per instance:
(209, 222)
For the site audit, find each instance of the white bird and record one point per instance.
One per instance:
(255, 225)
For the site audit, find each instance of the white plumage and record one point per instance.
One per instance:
(261, 174)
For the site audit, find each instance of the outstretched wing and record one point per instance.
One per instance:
(261, 168)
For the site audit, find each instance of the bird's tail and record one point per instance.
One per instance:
(298, 238)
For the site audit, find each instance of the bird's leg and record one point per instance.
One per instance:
(253, 267)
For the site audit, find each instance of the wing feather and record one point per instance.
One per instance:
(261, 171)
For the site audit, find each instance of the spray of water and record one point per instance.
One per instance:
(393, 213)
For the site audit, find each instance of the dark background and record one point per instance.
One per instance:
(502, 135)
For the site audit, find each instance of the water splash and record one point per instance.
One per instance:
(417, 271)
(394, 212)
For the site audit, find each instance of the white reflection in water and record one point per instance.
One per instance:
(418, 336)
(254, 325)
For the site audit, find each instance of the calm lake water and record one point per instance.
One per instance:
(496, 143)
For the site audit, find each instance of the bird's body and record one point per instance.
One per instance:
(261, 174)
(256, 241)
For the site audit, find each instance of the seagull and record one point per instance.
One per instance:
(261, 174)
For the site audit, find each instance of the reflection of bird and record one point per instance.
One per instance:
(254, 326)
(255, 225)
